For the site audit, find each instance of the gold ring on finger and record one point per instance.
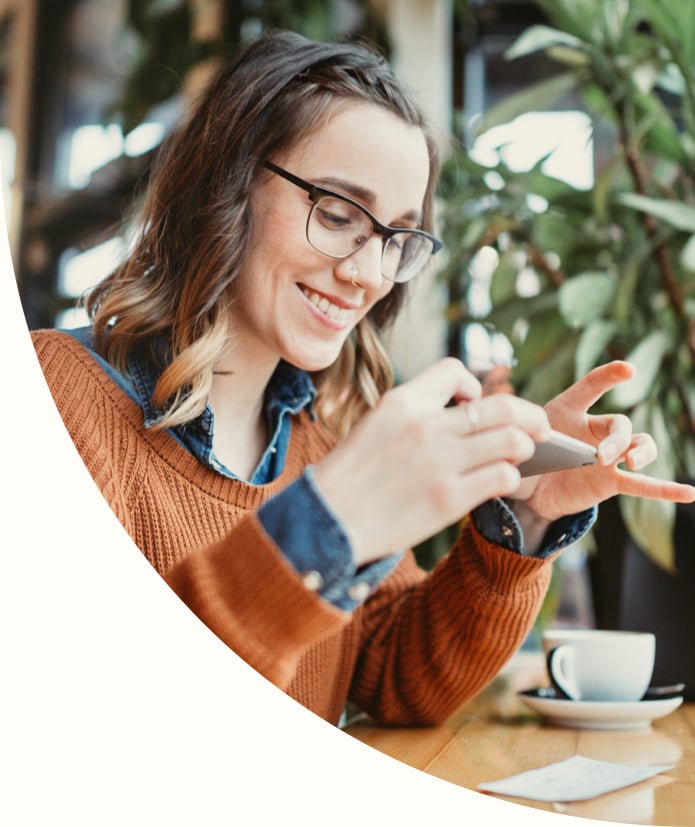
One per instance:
(473, 418)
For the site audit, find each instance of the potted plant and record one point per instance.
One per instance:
(584, 274)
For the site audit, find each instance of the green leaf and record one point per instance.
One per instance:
(574, 58)
(673, 21)
(554, 373)
(629, 281)
(651, 522)
(576, 16)
(585, 297)
(649, 418)
(687, 256)
(678, 215)
(539, 96)
(604, 184)
(592, 343)
(503, 285)
(647, 357)
(536, 38)
(660, 134)
(474, 232)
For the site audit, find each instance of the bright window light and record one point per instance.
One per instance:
(143, 138)
(484, 349)
(79, 271)
(72, 318)
(8, 154)
(91, 147)
(566, 138)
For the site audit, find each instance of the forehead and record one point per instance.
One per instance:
(369, 147)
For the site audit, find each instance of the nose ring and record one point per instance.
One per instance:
(354, 272)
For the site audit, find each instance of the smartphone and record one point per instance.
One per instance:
(559, 452)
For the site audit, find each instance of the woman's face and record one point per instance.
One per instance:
(293, 302)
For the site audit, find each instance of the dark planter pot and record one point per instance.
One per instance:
(631, 592)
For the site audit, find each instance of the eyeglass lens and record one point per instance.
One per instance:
(338, 228)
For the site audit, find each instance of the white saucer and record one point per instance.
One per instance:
(597, 714)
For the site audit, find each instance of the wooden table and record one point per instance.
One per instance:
(496, 735)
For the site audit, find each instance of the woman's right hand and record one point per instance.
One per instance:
(416, 464)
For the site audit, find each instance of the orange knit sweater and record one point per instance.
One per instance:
(421, 644)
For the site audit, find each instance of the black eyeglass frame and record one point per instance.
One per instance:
(316, 193)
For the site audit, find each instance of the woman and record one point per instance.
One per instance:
(233, 402)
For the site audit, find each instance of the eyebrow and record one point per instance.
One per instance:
(364, 195)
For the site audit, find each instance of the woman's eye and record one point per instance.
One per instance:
(333, 218)
(337, 215)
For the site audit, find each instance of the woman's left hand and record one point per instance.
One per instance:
(555, 495)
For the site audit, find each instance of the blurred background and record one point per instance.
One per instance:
(566, 208)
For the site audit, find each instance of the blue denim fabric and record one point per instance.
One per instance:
(495, 520)
(342, 584)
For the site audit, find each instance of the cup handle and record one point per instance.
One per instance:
(562, 684)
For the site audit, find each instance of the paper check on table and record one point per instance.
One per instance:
(574, 779)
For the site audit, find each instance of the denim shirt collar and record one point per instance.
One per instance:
(289, 391)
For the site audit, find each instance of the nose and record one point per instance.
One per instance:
(367, 263)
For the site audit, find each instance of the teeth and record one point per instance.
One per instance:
(338, 314)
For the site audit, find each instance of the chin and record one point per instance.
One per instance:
(313, 363)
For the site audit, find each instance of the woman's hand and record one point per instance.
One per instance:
(554, 495)
(416, 463)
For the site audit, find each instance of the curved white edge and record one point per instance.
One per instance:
(118, 705)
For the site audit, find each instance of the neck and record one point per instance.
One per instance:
(236, 398)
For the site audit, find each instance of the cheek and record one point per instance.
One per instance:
(386, 308)
(383, 291)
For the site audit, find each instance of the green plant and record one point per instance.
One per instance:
(615, 262)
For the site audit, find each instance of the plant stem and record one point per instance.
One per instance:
(660, 252)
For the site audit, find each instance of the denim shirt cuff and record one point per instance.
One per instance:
(495, 520)
(315, 544)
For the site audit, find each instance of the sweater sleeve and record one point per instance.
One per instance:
(244, 590)
(430, 642)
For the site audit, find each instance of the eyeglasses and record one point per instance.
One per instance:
(337, 226)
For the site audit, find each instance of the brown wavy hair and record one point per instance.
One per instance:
(176, 285)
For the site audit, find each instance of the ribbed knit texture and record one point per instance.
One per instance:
(419, 647)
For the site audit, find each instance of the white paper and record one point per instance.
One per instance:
(574, 779)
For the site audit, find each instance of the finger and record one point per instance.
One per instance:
(497, 411)
(498, 479)
(640, 485)
(614, 432)
(642, 451)
(443, 381)
(470, 412)
(637, 450)
(591, 387)
(504, 444)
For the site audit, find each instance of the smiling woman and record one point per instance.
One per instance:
(233, 401)
(294, 255)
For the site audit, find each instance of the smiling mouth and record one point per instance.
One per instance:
(338, 314)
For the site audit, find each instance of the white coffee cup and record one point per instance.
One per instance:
(599, 665)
